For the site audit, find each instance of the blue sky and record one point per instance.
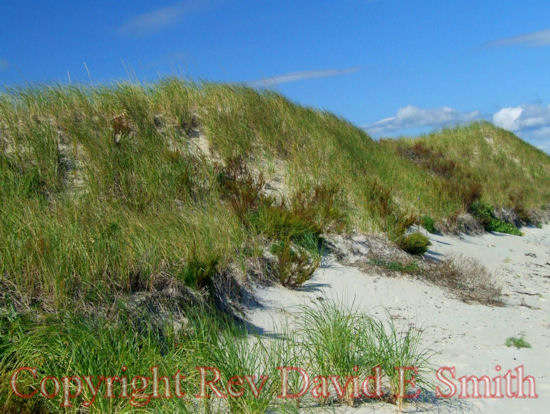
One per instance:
(391, 66)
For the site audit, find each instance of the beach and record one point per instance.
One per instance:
(470, 337)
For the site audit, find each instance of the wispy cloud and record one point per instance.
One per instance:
(411, 116)
(4, 64)
(161, 18)
(540, 38)
(296, 76)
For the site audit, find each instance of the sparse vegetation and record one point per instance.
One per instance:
(411, 267)
(466, 278)
(517, 342)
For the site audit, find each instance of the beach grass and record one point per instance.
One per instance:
(112, 192)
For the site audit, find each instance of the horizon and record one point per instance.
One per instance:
(391, 67)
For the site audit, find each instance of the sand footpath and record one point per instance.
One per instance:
(470, 337)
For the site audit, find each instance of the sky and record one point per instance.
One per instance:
(392, 67)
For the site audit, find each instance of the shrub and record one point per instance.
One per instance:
(278, 223)
(428, 223)
(323, 205)
(241, 188)
(415, 243)
(503, 227)
(302, 220)
(294, 264)
(484, 213)
(398, 223)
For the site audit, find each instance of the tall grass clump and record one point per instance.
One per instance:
(401, 348)
(348, 343)
(339, 343)
(428, 223)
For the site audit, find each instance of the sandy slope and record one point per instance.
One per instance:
(469, 337)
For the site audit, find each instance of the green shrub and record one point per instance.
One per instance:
(428, 223)
(484, 213)
(324, 205)
(503, 227)
(300, 219)
(415, 243)
(241, 188)
(294, 264)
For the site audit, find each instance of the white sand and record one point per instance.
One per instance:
(470, 337)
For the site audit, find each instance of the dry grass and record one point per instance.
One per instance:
(466, 278)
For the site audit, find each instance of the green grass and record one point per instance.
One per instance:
(346, 342)
(428, 223)
(84, 218)
(409, 267)
(506, 169)
(330, 340)
(105, 196)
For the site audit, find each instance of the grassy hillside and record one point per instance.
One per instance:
(84, 216)
(510, 170)
(109, 193)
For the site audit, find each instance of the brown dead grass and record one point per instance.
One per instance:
(465, 277)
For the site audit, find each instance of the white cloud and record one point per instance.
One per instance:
(161, 18)
(508, 118)
(414, 117)
(531, 121)
(540, 38)
(296, 76)
(4, 64)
